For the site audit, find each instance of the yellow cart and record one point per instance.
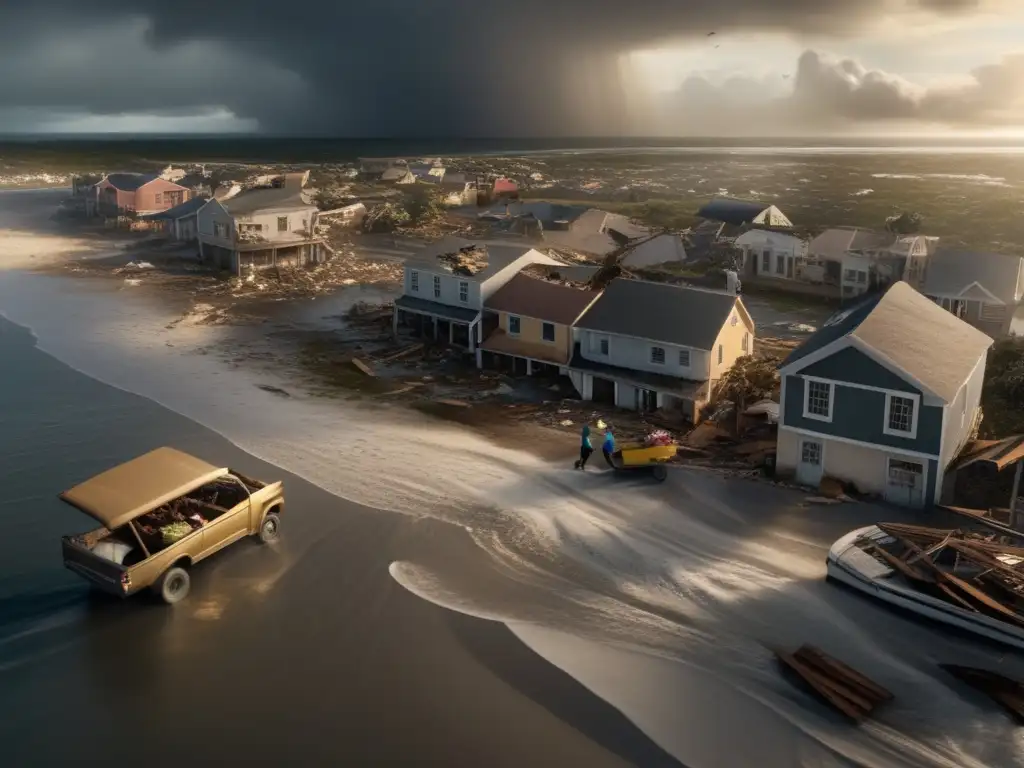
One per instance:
(644, 457)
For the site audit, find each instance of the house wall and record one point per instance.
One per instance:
(449, 287)
(299, 223)
(107, 196)
(730, 339)
(531, 331)
(211, 214)
(960, 415)
(635, 354)
(859, 413)
(146, 195)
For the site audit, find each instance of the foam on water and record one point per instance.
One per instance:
(660, 599)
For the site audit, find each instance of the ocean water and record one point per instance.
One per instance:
(663, 600)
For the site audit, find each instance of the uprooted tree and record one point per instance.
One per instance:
(386, 217)
(751, 378)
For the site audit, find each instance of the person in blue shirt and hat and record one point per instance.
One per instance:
(608, 448)
(586, 448)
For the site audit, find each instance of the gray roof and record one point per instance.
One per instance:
(732, 211)
(188, 208)
(252, 200)
(949, 272)
(129, 182)
(436, 308)
(689, 317)
(544, 212)
(839, 240)
(925, 341)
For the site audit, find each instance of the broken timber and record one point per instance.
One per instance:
(1005, 691)
(844, 688)
(363, 366)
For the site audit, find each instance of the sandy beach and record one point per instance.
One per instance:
(443, 596)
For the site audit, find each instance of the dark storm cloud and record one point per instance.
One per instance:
(413, 67)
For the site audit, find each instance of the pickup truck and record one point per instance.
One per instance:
(162, 513)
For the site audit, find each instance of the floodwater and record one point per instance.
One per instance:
(438, 598)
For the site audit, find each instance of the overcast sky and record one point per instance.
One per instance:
(473, 68)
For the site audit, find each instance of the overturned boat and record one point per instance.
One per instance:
(966, 579)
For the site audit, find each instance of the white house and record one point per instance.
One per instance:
(856, 260)
(447, 282)
(646, 345)
(260, 228)
(767, 253)
(983, 289)
(883, 396)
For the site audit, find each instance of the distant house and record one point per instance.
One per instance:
(983, 289)
(648, 346)
(260, 228)
(398, 175)
(566, 227)
(504, 188)
(181, 221)
(667, 249)
(372, 168)
(447, 283)
(428, 172)
(856, 260)
(738, 213)
(141, 193)
(534, 329)
(767, 253)
(457, 190)
(82, 184)
(883, 396)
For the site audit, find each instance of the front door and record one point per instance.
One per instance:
(811, 467)
(905, 483)
(646, 400)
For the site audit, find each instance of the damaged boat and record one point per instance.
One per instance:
(966, 579)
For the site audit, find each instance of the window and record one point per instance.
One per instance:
(514, 325)
(604, 347)
(414, 281)
(158, 198)
(684, 358)
(464, 292)
(598, 345)
(766, 262)
(220, 229)
(862, 277)
(818, 399)
(780, 264)
(810, 453)
(901, 415)
(437, 286)
(746, 342)
(282, 223)
(547, 332)
(721, 354)
(658, 355)
(850, 275)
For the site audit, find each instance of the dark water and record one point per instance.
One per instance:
(309, 654)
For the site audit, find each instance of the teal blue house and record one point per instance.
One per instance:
(883, 396)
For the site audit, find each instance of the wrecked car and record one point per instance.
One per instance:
(162, 513)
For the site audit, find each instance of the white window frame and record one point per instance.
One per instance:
(464, 291)
(664, 355)
(745, 345)
(554, 332)
(414, 281)
(684, 358)
(807, 398)
(437, 286)
(916, 416)
(519, 325)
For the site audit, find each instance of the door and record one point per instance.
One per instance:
(646, 400)
(603, 391)
(905, 483)
(811, 467)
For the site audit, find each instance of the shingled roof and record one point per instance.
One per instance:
(541, 300)
(673, 314)
(129, 182)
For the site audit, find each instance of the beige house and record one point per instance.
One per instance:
(534, 319)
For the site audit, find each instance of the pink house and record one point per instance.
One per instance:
(139, 192)
(505, 188)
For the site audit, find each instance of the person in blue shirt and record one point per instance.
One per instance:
(608, 448)
(585, 448)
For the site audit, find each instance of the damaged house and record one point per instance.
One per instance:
(181, 222)
(447, 283)
(883, 396)
(257, 228)
(118, 194)
(743, 213)
(856, 261)
(648, 346)
(573, 228)
(983, 289)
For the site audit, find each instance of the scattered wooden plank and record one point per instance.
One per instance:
(401, 353)
(816, 681)
(456, 403)
(363, 367)
(1005, 691)
(987, 601)
(873, 689)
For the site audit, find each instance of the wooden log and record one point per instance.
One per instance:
(363, 367)
(819, 684)
(813, 654)
(981, 597)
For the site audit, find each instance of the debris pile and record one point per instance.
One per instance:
(466, 261)
(843, 687)
(344, 269)
(1005, 691)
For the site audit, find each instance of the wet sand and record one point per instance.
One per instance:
(308, 654)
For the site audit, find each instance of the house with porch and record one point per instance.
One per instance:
(269, 227)
(182, 221)
(883, 396)
(982, 289)
(447, 283)
(855, 261)
(534, 325)
(648, 346)
(118, 194)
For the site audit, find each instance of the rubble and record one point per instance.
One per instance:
(843, 687)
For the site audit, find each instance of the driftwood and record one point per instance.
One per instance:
(363, 367)
(1005, 691)
(843, 687)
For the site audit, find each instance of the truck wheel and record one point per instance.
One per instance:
(174, 585)
(270, 528)
(660, 473)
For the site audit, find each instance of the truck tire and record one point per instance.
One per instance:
(660, 473)
(174, 585)
(270, 528)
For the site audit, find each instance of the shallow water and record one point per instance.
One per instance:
(661, 599)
